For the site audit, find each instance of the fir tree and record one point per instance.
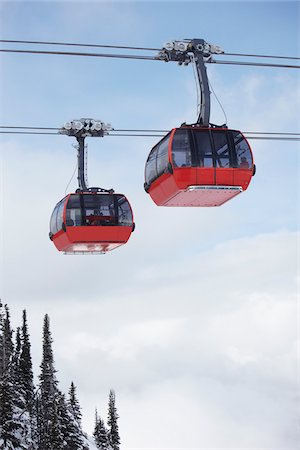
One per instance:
(9, 424)
(21, 415)
(17, 351)
(72, 433)
(26, 384)
(20, 403)
(1, 339)
(101, 434)
(6, 341)
(49, 426)
(73, 404)
(113, 434)
(25, 366)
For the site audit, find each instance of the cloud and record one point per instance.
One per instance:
(206, 345)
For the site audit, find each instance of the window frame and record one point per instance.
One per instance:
(154, 151)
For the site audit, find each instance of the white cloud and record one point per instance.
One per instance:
(210, 338)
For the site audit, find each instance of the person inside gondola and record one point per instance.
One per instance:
(244, 163)
(92, 220)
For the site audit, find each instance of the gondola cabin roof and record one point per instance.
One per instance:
(91, 223)
(195, 166)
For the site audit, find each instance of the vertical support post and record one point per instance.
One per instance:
(81, 164)
(204, 115)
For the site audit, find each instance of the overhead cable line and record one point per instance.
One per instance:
(28, 132)
(126, 47)
(142, 57)
(79, 45)
(276, 136)
(248, 55)
(95, 55)
(57, 129)
(248, 63)
(30, 128)
(289, 133)
(127, 130)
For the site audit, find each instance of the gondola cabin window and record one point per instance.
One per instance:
(221, 149)
(157, 161)
(124, 212)
(204, 149)
(181, 149)
(162, 156)
(98, 209)
(243, 152)
(91, 209)
(56, 220)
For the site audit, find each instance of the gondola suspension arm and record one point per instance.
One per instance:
(80, 129)
(197, 51)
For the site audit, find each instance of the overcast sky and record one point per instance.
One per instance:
(193, 322)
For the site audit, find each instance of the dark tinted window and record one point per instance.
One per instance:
(98, 209)
(73, 213)
(53, 227)
(157, 161)
(60, 213)
(203, 148)
(57, 217)
(151, 172)
(162, 156)
(181, 149)
(124, 211)
(221, 149)
(99, 205)
(243, 153)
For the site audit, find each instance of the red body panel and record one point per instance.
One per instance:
(173, 190)
(205, 176)
(242, 177)
(91, 239)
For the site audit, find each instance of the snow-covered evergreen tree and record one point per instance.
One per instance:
(27, 383)
(73, 435)
(49, 426)
(113, 433)
(25, 365)
(21, 414)
(73, 404)
(101, 434)
(7, 346)
(41, 419)
(10, 425)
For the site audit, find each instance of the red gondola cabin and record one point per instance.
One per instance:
(195, 166)
(91, 222)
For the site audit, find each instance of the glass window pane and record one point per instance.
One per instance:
(203, 148)
(162, 156)
(73, 213)
(243, 153)
(59, 219)
(150, 172)
(99, 209)
(99, 205)
(124, 211)
(181, 149)
(221, 149)
(53, 227)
